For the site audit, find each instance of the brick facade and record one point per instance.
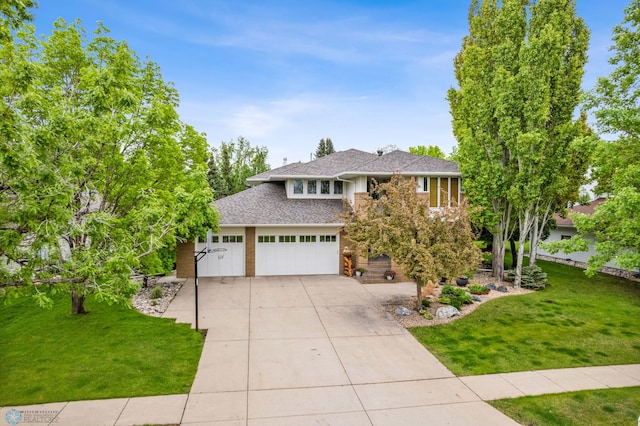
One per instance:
(184, 260)
(250, 252)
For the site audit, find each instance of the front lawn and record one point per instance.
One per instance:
(592, 407)
(50, 355)
(577, 321)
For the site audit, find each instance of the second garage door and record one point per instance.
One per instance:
(297, 251)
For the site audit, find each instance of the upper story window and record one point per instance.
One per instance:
(325, 187)
(443, 191)
(316, 188)
(312, 186)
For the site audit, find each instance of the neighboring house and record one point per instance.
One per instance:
(288, 222)
(566, 230)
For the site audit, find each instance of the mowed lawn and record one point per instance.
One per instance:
(591, 407)
(577, 321)
(50, 355)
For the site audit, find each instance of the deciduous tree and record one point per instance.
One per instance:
(232, 163)
(97, 172)
(519, 74)
(427, 244)
(431, 151)
(615, 225)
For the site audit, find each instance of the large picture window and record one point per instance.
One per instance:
(312, 186)
(325, 187)
(298, 186)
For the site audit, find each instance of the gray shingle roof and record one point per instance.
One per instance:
(354, 161)
(267, 204)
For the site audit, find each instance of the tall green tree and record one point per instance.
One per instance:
(325, 147)
(12, 14)
(519, 74)
(232, 163)
(97, 172)
(615, 225)
(431, 151)
(427, 244)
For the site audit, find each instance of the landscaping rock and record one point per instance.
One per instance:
(155, 307)
(401, 310)
(491, 286)
(503, 289)
(444, 312)
(476, 298)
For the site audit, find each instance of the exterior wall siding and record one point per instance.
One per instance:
(184, 260)
(250, 252)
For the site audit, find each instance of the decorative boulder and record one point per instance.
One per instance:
(476, 298)
(491, 286)
(444, 312)
(503, 289)
(401, 310)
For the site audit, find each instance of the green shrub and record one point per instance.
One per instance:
(156, 293)
(532, 277)
(478, 289)
(444, 300)
(426, 302)
(457, 296)
(426, 314)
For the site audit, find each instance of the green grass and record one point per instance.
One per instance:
(594, 407)
(577, 321)
(50, 355)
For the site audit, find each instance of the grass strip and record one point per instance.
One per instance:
(591, 407)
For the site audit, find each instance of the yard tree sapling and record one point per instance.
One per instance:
(426, 244)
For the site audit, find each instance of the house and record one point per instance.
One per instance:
(287, 222)
(565, 230)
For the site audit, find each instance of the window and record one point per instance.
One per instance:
(325, 187)
(230, 239)
(565, 237)
(425, 184)
(307, 238)
(327, 238)
(311, 186)
(215, 239)
(298, 186)
(287, 239)
(433, 192)
(337, 187)
(454, 191)
(266, 238)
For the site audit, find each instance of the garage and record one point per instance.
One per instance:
(297, 251)
(227, 256)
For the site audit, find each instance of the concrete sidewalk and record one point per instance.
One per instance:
(318, 350)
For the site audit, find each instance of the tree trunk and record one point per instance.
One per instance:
(498, 255)
(418, 296)
(514, 257)
(533, 241)
(77, 303)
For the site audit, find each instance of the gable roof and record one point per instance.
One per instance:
(587, 209)
(267, 204)
(355, 162)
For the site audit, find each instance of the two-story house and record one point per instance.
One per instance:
(288, 221)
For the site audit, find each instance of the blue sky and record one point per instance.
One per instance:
(285, 74)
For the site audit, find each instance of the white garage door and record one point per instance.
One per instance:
(226, 258)
(297, 251)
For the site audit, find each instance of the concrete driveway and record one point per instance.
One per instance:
(316, 350)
